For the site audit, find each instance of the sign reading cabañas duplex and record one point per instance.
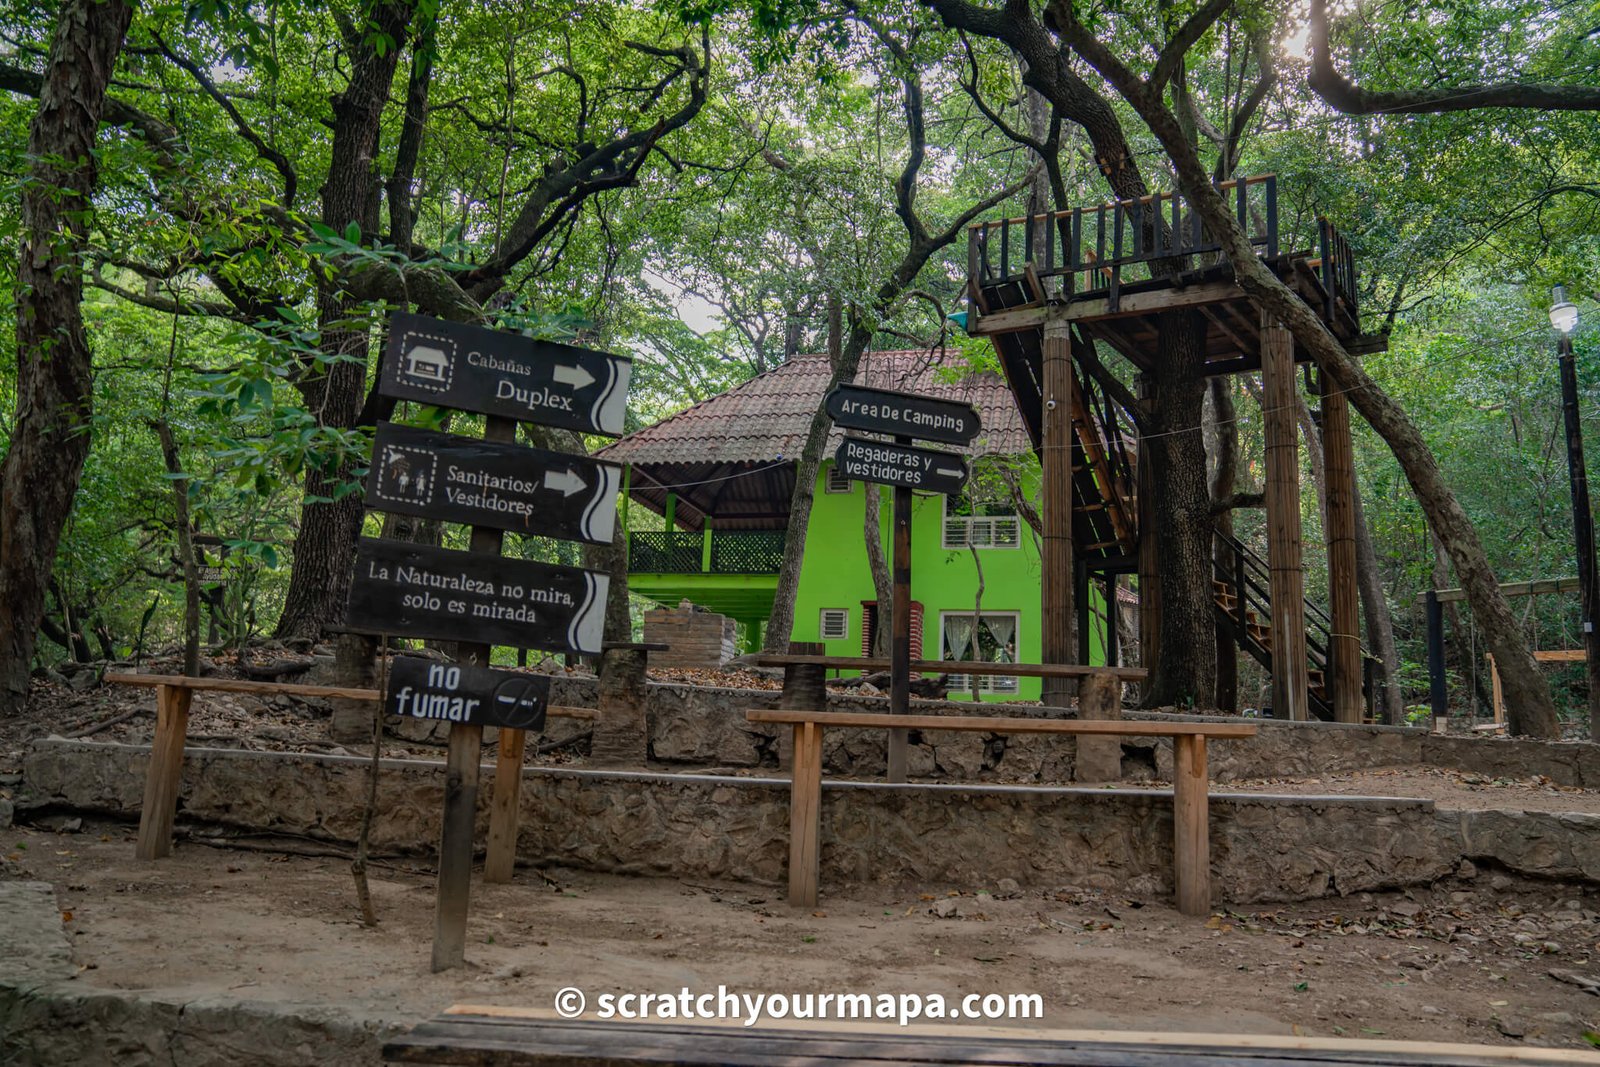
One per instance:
(493, 372)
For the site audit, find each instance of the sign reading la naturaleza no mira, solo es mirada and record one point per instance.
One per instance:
(410, 590)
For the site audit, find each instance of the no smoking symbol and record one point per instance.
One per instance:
(519, 704)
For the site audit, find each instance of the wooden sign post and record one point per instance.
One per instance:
(904, 416)
(475, 597)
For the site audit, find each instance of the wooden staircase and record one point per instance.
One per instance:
(1105, 495)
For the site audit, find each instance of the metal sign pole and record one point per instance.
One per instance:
(900, 645)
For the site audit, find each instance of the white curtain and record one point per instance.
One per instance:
(1003, 629)
(957, 636)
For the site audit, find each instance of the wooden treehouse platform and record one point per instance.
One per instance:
(1095, 267)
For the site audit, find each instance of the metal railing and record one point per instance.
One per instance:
(1096, 251)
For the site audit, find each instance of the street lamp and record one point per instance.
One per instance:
(1564, 317)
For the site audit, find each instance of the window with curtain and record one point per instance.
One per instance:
(987, 638)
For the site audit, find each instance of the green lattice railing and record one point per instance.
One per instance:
(730, 552)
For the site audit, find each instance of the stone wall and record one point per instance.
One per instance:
(707, 826)
(694, 638)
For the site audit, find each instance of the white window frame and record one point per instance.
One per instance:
(1000, 532)
(843, 617)
(834, 482)
(986, 683)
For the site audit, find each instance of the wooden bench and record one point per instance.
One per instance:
(1190, 787)
(494, 1036)
(946, 666)
(174, 692)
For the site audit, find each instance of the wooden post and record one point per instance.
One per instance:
(1056, 617)
(805, 688)
(900, 642)
(1497, 693)
(1099, 759)
(1289, 668)
(1344, 640)
(500, 858)
(165, 772)
(1438, 691)
(461, 778)
(1149, 554)
(805, 815)
(1191, 846)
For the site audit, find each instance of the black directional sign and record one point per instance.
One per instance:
(508, 487)
(476, 696)
(416, 591)
(498, 373)
(860, 407)
(903, 466)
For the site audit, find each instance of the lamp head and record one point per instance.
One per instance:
(1563, 313)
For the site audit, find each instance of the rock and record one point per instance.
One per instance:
(61, 824)
(1406, 908)
(1511, 1026)
(1559, 1018)
(6, 811)
(1500, 883)
(946, 909)
(1007, 889)
(1466, 870)
(1460, 897)
(83, 681)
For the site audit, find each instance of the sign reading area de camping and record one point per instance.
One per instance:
(412, 590)
(861, 407)
(476, 696)
(903, 466)
(493, 372)
(507, 487)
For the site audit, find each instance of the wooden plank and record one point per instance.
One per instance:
(1191, 844)
(1057, 641)
(164, 773)
(526, 1035)
(805, 814)
(1560, 655)
(500, 858)
(1498, 694)
(242, 685)
(1533, 588)
(1006, 725)
(1344, 598)
(1290, 682)
(935, 666)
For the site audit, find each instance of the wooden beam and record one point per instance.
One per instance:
(165, 771)
(1344, 598)
(1290, 680)
(1191, 842)
(805, 815)
(1057, 643)
(1533, 588)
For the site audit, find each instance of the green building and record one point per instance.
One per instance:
(721, 474)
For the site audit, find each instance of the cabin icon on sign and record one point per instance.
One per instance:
(428, 362)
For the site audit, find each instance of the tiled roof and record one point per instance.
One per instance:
(765, 419)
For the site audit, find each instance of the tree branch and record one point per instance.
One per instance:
(1341, 94)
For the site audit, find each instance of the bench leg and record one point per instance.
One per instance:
(162, 777)
(1191, 841)
(805, 815)
(500, 859)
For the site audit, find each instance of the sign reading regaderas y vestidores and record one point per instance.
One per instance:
(479, 483)
(494, 372)
(410, 590)
(903, 466)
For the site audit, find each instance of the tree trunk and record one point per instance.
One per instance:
(1222, 454)
(50, 436)
(191, 571)
(1531, 709)
(1380, 624)
(882, 585)
(1184, 674)
(324, 548)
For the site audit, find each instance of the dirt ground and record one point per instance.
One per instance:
(1465, 961)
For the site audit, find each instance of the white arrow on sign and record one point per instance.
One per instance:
(951, 473)
(566, 482)
(576, 377)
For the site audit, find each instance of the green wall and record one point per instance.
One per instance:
(835, 575)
